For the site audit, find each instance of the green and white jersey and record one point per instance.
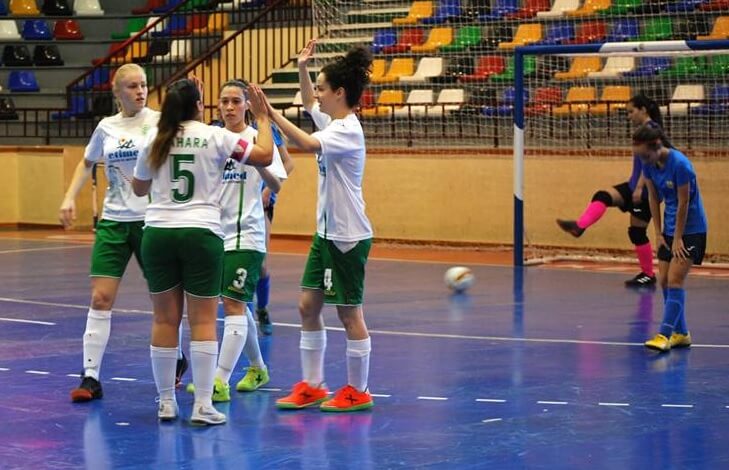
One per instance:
(244, 222)
(117, 142)
(186, 188)
(340, 207)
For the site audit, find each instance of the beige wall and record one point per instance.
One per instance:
(457, 199)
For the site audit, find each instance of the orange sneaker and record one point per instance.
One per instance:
(348, 398)
(303, 395)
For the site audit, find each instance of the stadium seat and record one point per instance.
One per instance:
(590, 8)
(176, 26)
(715, 5)
(622, 7)
(36, 30)
(690, 27)
(387, 102)
(9, 31)
(507, 76)
(102, 105)
(17, 56)
(198, 23)
(418, 11)
(23, 8)
(449, 100)
(383, 38)
(557, 33)
(195, 5)
(133, 26)
(684, 6)
(217, 22)
(612, 100)
(589, 32)
(684, 97)
(718, 65)
(21, 81)
(157, 48)
(147, 9)
(719, 31)
(501, 9)
(559, 9)
(455, 68)
(46, 55)
(180, 51)
(438, 37)
(685, 67)
(506, 103)
(399, 67)
(657, 29)
(471, 10)
(7, 109)
(543, 101)
(115, 51)
(417, 104)
(649, 66)
(447, 10)
(134, 52)
(529, 10)
(466, 38)
(718, 102)
(56, 8)
(164, 8)
(67, 30)
(428, 67)
(580, 67)
(485, 67)
(378, 69)
(525, 34)
(614, 68)
(156, 28)
(79, 108)
(408, 38)
(3, 9)
(623, 30)
(578, 101)
(87, 8)
(98, 79)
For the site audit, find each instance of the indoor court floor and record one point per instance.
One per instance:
(533, 368)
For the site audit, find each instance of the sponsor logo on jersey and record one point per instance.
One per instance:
(669, 184)
(321, 164)
(125, 150)
(232, 173)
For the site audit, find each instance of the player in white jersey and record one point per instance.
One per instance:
(244, 226)
(335, 269)
(116, 142)
(182, 246)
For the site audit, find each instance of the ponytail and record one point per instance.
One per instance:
(179, 104)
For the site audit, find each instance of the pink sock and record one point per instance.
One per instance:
(645, 257)
(592, 214)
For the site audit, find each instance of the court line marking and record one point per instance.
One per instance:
(50, 248)
(380, 395)
(78, 376)
(37, 372)
(122, 423)
(392, 333)
(490, 400)
(124, 379)
(268, 389)
(551, 402)
(670, 405)
(433, 398)
(492, 420)
(33, 322)
(613, 404)
(5, 369)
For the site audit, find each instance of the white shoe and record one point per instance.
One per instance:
(167, 410)
(206, 414)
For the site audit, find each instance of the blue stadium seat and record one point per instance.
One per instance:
(36, 30)
(506, 104)
(22, 81)
(169, 6)
(501, 9)
(79, 108)
(649, 66)
(383, 38)
(176, 26)
(624, 30)
(3, 8)
(557, 33)
(446, 10)
(97, 78)
(718, 102)
(684, 6)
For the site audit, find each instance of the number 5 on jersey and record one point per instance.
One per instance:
(184, 178)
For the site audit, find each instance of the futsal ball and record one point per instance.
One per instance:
(459, 278)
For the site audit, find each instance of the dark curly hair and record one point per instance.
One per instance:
(351, 72)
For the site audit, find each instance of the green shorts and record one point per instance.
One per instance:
(241, 270)
(113, 247)
(190, 257)
(340, 275)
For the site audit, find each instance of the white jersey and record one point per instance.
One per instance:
(186, 188)
(117, 142)
(340, 207)
(244, 222)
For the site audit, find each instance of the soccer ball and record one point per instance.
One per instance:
(459, 278)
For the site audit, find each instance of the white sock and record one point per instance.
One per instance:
(252, 348)
(203, 356)
(98, 329)
(313, 344)
(358, 362)
(164, 361)
(179, 343)
(234, 337)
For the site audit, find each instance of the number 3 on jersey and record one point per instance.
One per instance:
(184, 178)
(241, 280)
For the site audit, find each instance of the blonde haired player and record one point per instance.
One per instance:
(117, 142)
(182, 246)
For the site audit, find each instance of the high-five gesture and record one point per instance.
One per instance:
(257, 102)
(305, 85)
(307, 53)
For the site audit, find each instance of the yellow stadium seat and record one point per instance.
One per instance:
(23, 8)
(525, 34)
(388, 101)
(135, 50)
(614, 98)
(217, 22)
(418, 11)
(576, 101)
(580, 67)
(402, 67)
(378, 69)
(719, 31)
(437, 37)
(590, 8)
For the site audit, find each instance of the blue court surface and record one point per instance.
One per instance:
(541, 368)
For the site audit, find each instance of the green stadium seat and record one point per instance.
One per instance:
(134, 25)
(685, 67)
(657, 29)
(468, 36)
(718, 65)
(622, 7)
(530, 67)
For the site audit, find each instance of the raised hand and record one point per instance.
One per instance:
(307, 53)
(257, 102)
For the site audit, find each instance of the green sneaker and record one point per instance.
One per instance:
(254, 379)
(221, 391)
